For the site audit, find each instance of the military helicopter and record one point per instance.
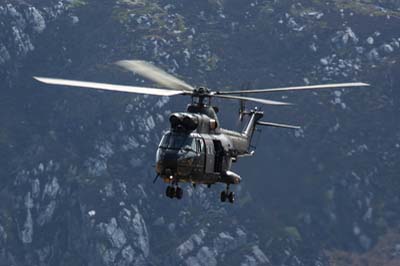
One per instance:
(196, 149)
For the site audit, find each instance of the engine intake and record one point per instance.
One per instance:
(187, 122)
(175, 120)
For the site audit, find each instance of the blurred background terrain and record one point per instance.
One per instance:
(76, 166)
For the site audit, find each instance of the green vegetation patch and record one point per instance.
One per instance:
(293, 233)
(78, 3)
(4, 137)
(365, 8)
(125, 8)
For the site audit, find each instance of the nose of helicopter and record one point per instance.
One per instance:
(173, 163)
(167, 162)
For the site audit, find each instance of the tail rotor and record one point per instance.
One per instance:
(242, 110)
(242, 106)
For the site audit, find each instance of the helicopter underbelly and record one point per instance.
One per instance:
(198, 178)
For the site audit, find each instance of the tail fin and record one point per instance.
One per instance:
(255, 116)
(249, 129)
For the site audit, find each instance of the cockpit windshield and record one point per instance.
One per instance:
(178, 141)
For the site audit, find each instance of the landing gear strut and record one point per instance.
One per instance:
(174, 192)
(227, 195)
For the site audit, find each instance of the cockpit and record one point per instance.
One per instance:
(177, 153)
(174, 141)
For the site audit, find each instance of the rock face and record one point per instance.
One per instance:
(76, 166)
(129, 241)
(21, 23)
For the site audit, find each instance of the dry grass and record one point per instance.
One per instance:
(382, 254)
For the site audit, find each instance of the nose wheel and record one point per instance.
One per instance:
(227, 195)
(174, 192)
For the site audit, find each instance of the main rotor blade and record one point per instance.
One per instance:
(263, 101)
(110, 87)
(312, 87)
(262, 123)
(155, 74)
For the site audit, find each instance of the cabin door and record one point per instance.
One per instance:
(209, 146)
(218, 156)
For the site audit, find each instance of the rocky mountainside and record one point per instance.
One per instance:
(77, 166)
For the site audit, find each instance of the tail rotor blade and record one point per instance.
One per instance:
(242, 108)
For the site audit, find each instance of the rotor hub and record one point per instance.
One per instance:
(202, 91)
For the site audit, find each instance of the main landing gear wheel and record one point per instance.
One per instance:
(179, 193)
(231, 197)
(227, 195)
(223, 196)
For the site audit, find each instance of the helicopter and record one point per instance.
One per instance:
(196, 149)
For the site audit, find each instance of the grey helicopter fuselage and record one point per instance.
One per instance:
(197, 150)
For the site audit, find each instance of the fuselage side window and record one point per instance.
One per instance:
(200, 145)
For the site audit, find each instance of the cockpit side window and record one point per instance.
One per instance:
(165, 141)
(190, 144)
(178, 141)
